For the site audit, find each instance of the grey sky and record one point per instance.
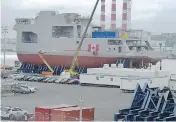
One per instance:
(152, 15)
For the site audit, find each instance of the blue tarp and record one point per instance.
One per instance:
(107, 34)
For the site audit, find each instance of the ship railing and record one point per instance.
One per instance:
(25, 21)
(153, 54)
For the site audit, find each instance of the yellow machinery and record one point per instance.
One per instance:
(124, 36)
(44, 72)
(72, 68)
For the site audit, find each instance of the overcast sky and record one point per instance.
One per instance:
(152, 15)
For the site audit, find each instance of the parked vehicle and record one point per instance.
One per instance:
(26, 78)
(4, 75)
(31, 88)
(73, 81)
(51, 80)
(45, 80)
(32, 78)
(13, 113)
(12, 76)
(40, 78)
(20, 89)
(19, 77)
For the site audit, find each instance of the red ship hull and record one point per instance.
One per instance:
(59, 60)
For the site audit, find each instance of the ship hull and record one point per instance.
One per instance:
(83, 61)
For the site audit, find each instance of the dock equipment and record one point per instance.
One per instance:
(73, 65)
(149, 105)
(38, 69)
(49, 67)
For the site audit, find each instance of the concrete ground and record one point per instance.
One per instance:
(106, 101)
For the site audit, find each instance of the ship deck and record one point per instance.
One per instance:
(106, 101)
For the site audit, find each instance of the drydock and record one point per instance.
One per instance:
(46, 46)
(58, 35)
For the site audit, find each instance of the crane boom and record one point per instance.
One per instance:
(82, 39)
(45, 62)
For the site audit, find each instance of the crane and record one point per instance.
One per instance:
(40, 52)
(49, 67)
(73, 65)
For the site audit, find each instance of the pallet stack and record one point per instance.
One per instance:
(149, 105)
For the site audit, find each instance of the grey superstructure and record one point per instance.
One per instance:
(59, 34)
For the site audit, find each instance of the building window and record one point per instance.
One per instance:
(120, 49)
(112, 42)
(97, 78)
(111, 79)
(77, 42)
(62, 31)
(119, 42)
(29, 37)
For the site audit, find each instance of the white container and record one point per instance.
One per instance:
(112, 76)
(172, 85)
(130, 83)
(94, 79)
(173, 77)
(128, 72)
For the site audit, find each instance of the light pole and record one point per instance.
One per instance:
(160, 50)
(80, 101)
(142, 61)
(4, 31)
(160, 44)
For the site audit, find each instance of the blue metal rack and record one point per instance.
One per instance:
(32, 68)
(148, 105)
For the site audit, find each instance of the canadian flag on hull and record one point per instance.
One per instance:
(93, 47)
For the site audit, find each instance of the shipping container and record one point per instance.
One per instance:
(111, 76)
(72, 114)
(44, 113)
(107, 34)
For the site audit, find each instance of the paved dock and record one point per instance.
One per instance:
(106, 101)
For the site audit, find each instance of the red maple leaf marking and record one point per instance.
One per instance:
(93, 47)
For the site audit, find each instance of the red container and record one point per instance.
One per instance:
(72, 114)
(44, 113)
